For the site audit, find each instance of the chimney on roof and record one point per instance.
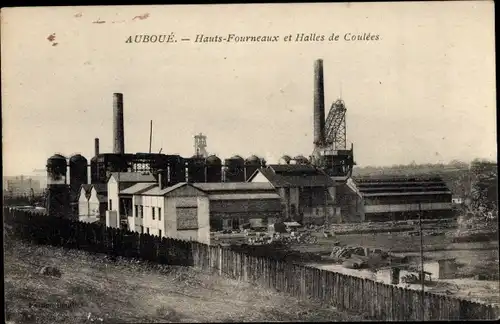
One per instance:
(161, 179)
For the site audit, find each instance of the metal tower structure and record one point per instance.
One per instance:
(200, 145)
(335, 126)
(330, 152)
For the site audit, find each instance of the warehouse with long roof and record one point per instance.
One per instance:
(384, 198)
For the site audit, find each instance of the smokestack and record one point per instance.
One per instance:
(160, 179)
(319, 103)
(118, 131)
(96, 146)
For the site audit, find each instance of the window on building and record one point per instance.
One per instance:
(110, 205)
(141, 209)
(153, 212)
(147, 230)
(159, 213)
(187, 218)
(136, 210)
(159, 233)
(142, 229)
(227, 223)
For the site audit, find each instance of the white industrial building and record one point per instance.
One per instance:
(188, 211)
(119, 206)
(92, 202)
(180, 211)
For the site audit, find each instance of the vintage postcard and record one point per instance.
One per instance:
(250, 162)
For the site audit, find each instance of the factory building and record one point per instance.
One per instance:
(119, 205)
(22, 186)
(385, 198)
(92, 202)
(180, 211)
(307, 193)
(83, 201)
(190, 211)
(241, 203)
(126, 196)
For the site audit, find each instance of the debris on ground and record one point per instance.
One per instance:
(50, 271)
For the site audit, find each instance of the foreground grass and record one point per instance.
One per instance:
(94, 289)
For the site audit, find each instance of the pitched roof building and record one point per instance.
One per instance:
(307, 192)
(401, 197)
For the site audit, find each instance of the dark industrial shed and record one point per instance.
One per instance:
(238, 203)
(307, 192)
(398, 197)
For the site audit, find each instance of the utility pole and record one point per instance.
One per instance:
(422, 273)
(150, 135)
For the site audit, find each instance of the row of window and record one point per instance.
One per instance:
(147, 231)
(139, 210)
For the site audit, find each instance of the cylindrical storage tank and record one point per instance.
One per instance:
(78, 174)
(214, 169)
(235, 169)
(56, 170)
(196, 169)
(94, 176)
(285, 159)
(58, 201)
(176, 169)
(116, 162)
(252, 164)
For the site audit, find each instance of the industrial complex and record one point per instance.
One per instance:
(186, 197)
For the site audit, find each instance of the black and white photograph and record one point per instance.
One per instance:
(293, 162)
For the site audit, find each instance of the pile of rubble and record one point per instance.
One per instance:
(357, 257)
(474, 224)
(293, 237)
(346, 252)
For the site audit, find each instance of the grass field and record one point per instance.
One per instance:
(92, 289)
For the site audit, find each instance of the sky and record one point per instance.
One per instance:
(424, 92)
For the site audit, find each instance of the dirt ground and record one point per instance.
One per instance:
(395, 242)
(92, 289)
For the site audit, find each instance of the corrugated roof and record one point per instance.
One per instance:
(400, 185)
(233, 186)
(293, 168)
(133, 177)
(316, 179)
(156, 191)
(398, 178)
(138, 188)
(247, 196)
(380, 194)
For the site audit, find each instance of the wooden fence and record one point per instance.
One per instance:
(96, 237)
(374, 300)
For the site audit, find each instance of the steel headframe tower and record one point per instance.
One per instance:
(200, 145)
(335, 128)
(330, 151)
